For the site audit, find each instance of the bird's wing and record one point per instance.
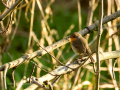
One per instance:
(85, 44)
(80, 46)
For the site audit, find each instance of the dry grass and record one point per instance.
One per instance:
(48, 35)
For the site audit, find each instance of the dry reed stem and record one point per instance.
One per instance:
(100, 30)
(55, 45)
(65, 70)
(94, 6)
(110, 32)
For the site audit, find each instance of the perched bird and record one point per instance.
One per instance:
(80, 45)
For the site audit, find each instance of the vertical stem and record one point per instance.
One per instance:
(1, 73)
(90, 12)
(90, 15)
(31, 23)
(30, 34)
(79, 14)
(98, 42)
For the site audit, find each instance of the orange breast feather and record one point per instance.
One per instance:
(73, 39)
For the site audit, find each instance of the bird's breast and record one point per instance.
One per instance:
(76, 50)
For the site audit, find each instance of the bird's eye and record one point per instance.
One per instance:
(72, 36)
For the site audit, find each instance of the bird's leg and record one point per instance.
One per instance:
(81, 56)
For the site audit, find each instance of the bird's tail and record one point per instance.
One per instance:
(92, 59)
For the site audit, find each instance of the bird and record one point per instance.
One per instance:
(80, 46)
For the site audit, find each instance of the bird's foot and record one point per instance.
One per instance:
(80, 60)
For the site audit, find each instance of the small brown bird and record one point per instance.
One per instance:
(80, 45)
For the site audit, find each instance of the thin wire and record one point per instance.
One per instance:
(54, 57)
(43, 69)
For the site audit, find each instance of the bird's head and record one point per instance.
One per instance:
(74, 36)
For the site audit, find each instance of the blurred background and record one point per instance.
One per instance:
(48, 21)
